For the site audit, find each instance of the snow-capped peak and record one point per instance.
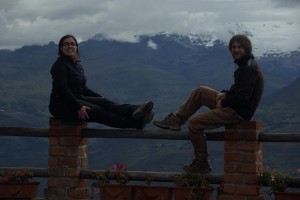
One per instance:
(266, 37)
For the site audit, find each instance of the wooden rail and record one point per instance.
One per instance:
(133, 175)
(144, 134)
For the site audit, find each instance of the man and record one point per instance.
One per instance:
(226, 107)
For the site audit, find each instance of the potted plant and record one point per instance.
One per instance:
(120, 189)
(220, 189)
(187, 186)
(14, 184)
(192, 187)
(280, 184)
(148, 191)
(110, 191)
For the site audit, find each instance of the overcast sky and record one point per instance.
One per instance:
(273, 23)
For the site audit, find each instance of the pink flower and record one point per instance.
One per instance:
(120, 172)
(9, 173)
(202, 188)
(5, 180)
(119, 168)
(20, 173)
(15, 176)
(222, 185)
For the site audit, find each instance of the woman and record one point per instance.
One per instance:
(72, 100)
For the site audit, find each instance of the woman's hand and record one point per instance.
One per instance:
(82, 113)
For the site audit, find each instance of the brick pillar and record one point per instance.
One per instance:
(242, 161)
(67, 157)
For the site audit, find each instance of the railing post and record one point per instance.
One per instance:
(67, 157)
(242, 161)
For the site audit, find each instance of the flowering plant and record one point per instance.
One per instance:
(220, 189)
(121, 174)
(119, 170)
(15, 176)
(191, 180)
(197, 182)
(277, 181)
(102, 177)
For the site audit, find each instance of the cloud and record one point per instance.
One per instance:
(152, 45)
(286, 3)
(27, 22)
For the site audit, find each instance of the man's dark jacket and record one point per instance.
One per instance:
(245, 94)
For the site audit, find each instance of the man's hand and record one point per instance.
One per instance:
(219, 99)
(220, 96)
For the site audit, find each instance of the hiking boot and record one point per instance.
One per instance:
(140, 111)
(146, 120)
(170, 122)
(198, 167)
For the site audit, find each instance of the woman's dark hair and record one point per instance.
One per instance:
(61, 42)
(244, 41)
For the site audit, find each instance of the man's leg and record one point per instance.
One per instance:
(201, 96)
(209, 120)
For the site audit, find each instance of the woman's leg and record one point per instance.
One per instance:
(117, 115)
(120, 109)
(109, 118)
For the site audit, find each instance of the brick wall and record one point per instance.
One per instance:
(67, 157)
(242, 161)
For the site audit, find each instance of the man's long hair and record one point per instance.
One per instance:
(244, 41)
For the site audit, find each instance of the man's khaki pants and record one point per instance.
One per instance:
(215, 118)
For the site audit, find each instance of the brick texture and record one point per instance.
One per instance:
(67, 157)
(242, 161)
